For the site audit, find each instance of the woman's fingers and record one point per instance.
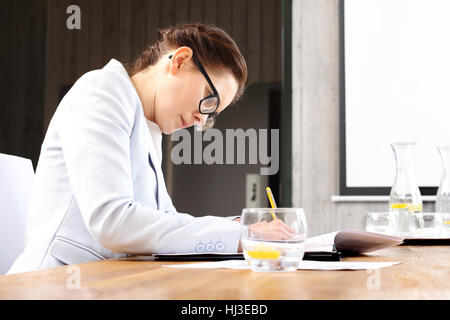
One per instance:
(274, 230)
(286, 227)
(281, 230)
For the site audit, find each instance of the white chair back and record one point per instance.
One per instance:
(16, 184)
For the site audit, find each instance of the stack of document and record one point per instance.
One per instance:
(326, 247)
(322, 253)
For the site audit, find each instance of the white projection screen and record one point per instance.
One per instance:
(396, 57)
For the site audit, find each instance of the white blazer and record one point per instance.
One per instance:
(99, 190)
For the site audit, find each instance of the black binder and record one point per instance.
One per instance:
(311, 255)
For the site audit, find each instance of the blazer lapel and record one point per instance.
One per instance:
(153, 160)
(155, 165)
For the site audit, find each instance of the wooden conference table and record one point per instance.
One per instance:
(424, 273)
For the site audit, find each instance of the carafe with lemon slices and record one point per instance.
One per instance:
(405, 203)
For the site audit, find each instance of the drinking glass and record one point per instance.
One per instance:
(379, 222)
(265, 247)
(431, 225)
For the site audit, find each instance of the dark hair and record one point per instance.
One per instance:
(211, 45)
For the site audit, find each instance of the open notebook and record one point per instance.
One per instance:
(352, 242)
(326, 247)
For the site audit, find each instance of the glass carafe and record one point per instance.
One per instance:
(405, 203)
(443, 193)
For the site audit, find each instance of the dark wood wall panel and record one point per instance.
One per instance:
(153, 20)
(22, 73)
(125, 21)
(223, 15)
(210, 12)
(139, 27)
(110, 27)
(82, 43)
(97, 32)
(239, 24)
(167, 12)
(196, 10)
(34, 104)
(254, 41)
(17, 118)
(40, 56)
(277, 42)
(122, 29)
(5, 71)
(268, 39)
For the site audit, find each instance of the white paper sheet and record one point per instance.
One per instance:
(324, 242)
(304, 265)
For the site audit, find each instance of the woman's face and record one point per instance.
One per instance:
(181, 88)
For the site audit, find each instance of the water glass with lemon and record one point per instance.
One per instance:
(273, 239)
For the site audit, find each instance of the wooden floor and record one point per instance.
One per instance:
(424, 273)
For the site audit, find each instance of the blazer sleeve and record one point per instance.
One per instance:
(95, 124)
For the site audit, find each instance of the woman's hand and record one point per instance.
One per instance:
(274, 230)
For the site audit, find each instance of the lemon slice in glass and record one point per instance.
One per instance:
(408, 206)
(263, 252)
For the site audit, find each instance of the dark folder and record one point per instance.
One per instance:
(313, 255)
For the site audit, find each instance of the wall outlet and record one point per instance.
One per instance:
(255, 191)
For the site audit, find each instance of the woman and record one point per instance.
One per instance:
(99, 190)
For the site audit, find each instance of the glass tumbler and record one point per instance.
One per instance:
(379, 222)
(273, 239)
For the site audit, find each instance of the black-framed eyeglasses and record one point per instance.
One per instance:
(209, 104)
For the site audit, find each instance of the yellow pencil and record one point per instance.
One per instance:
(272, 202)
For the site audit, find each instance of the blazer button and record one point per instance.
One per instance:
(210, 246)
(200, 247)
(220, 246)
